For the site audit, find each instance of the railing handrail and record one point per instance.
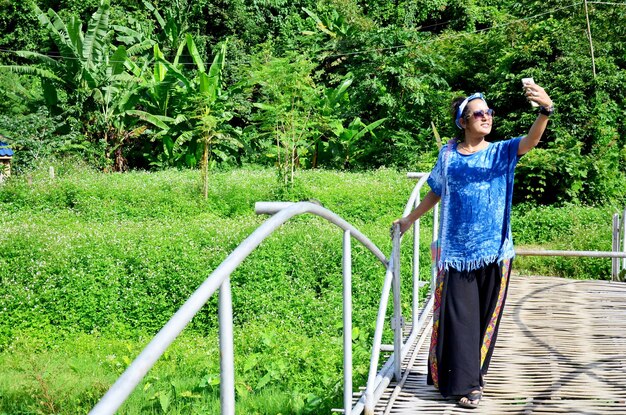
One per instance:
(410, 204)
(137, 370)
(587, 254)
(619, 232)
(377, 381)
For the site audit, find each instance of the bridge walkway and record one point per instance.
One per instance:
(561, 350)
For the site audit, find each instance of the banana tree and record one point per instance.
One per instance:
(89, 72)
(163, 90)
(79, 68)
(334, 25)
(212, 115)
(173, 23)
(200, 132)
(115, 99)
(329, 111)
(172, 26)
(343, 146)
(135, 38)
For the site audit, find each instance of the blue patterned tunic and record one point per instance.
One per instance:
(475, 228)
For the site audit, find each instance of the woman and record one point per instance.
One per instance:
(475, 180)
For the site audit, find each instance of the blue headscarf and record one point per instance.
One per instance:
(459, 112)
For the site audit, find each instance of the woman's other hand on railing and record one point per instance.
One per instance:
(405, 223)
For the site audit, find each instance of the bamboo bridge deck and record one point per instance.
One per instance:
(561, 350)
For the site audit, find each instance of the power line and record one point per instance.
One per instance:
(605, 2)
(59, 57)
(455, 35)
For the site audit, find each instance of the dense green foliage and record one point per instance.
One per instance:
(114, 256)
(132, 90)
(94, 264)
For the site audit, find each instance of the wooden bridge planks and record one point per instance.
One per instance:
(561, 350)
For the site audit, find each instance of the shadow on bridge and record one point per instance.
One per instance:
(561, 349)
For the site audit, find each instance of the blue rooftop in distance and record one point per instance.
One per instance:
(5, 151)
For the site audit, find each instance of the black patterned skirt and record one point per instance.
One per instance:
(467, 310)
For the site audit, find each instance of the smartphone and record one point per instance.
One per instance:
(528, 81)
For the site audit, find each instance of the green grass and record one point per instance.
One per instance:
(92, 265)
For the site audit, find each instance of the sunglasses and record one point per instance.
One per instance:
(481, 113)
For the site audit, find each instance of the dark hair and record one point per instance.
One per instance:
(456, 103)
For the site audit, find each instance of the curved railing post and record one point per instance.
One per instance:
(615, 247)
(416, 266)
(377, 382)
(220, 279)
(378, 336)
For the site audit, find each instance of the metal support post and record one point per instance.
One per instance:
(623, 243)
(416, 268)
(227, 356)
(347, 323)
(615, 248)
(378, 335)
(397, 306)
(435, 237)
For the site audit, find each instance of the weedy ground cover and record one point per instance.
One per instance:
(92, 265)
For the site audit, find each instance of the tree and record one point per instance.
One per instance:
(89, 74)
(287, 98)
(200, 131)
(212, 115)
(344, 146)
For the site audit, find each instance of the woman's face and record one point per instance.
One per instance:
(478, 121)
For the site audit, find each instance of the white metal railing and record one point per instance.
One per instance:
(617, 253)
(623, 233)
(377, 380)
(220, 279)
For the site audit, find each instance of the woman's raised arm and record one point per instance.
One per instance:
(537, 94)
